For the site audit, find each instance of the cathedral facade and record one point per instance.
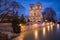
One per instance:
(35, 12)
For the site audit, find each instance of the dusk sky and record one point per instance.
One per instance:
(55, 4)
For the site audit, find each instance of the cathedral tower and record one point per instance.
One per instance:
(32, 8)
(36, 12)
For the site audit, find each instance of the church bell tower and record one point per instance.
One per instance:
(35, 12)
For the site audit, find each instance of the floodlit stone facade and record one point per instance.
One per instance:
(35, 12)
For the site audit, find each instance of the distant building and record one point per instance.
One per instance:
(35, 12)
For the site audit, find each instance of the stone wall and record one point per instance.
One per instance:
(6, 27)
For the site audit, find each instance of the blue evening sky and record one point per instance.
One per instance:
(55, 4)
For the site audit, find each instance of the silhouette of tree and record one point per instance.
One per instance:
(22, 19)
(49, 14)
(11, 5)
(15, 6)
(3, 3)
(15, 25)
(4, 6)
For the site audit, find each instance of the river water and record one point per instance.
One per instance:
(45, 33)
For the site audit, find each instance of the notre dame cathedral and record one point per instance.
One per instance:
(35, 12)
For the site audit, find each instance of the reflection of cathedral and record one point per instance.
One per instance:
(35, 12)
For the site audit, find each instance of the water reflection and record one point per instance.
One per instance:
(36, 34)
(48, 28)
(21, 36)
(57, 26)
(51, 27)
(44, 31)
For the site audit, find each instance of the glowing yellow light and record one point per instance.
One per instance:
(35, 25)
(20, 24)
(48, 27)
(22, 27)
(43, 24)
(51, 23)
(21, 37)
(44, 31)
(46, 20)
(36, 34)
(47, 24)
(51, 27)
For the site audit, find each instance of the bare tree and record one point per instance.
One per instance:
(11, 6)
(15, 6)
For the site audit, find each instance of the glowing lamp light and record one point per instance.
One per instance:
(20, 24)
(35, 25)
(43, 24)
(46, 20)
(51, 23)
(22, 27)
(47, 24)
